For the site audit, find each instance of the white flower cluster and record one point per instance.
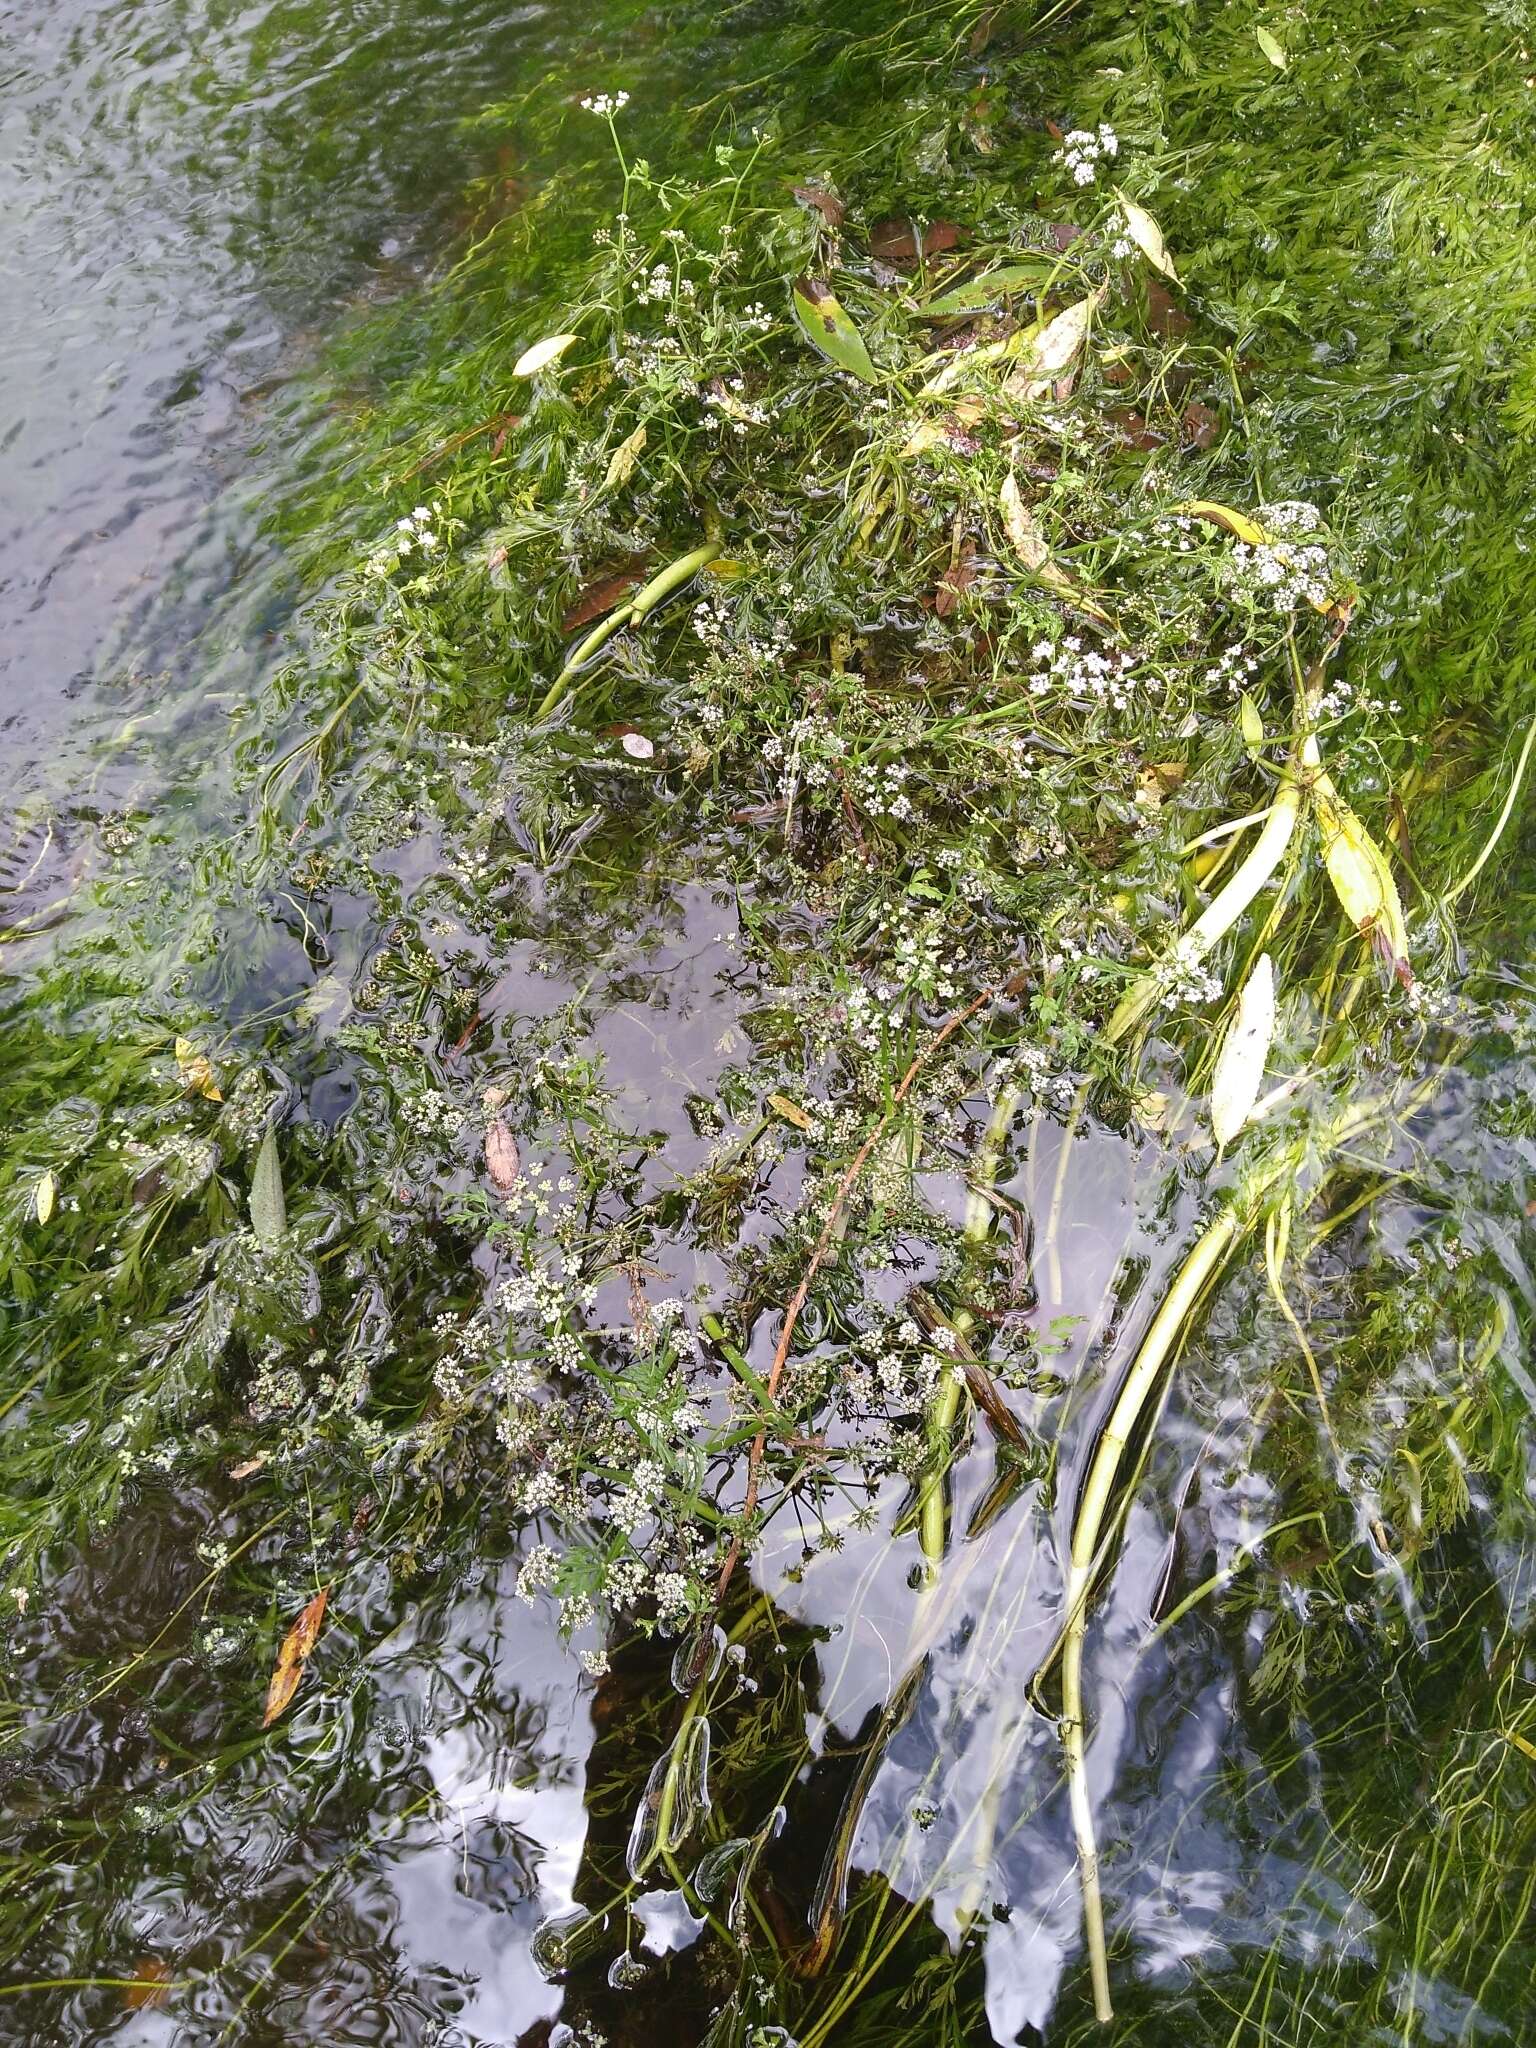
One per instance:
(1083, 672)
(431, 1114)
(726, 405)
(417, 532)
(1288, 576)
(1083, 149)
(879, 790)
(605, 104)
(1184, 977)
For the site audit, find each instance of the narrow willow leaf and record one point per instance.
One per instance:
(829, 329)
(1021, 526)
(1054, 349)
(294, 1653)
(1362, 878)
(621, 463)
(1238, 524)
(542, 354)
(964, 362)
(1147, 235)
(1273, 49)
(981, 291)
(1244, 1050)
(1251, 724)
(47, 1191)
(269, 1212)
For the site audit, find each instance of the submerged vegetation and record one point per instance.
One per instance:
(891, 1052)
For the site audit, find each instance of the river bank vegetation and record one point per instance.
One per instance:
(900, 1072)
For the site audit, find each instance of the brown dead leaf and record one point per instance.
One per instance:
(151, 1985)
(248, 1466)
(502, 1162)
(1063, 234)
(1165, 316)
(791, 1112)
(827, 204)
(601, 596)
(1200, 424)
(955, 581)
(898, 243)
(1131, 428)
(981, 34)
(293, 1656)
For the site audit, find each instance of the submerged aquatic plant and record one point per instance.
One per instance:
(960, 655)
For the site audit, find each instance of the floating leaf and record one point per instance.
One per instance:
(195, 1071)
(956, 580)
(1054, 349)
(248, 1465)
(150, 1985)
(829, 329)
(621, 463)
(1250, 723)
(1273, 49)
(294, 1655)
(542, 354)
(1244, 1051)
(637, 746)
(1361, 878)
(897, 242)
(47, 1189)
(1147, 235)
(269, 1212)
(502, 1162)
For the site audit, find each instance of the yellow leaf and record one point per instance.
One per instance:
(1361, 878)
(1023, 531)
(621, 463)
(542, 354)
(829, 329)
(47, 1189)
(196, 1071)
(791, 1112)
(1147, 235)
(966, 360)
(1238, 524)
(1525, 1747)
(1273, 49)
(1244, 1051)
(293, 1656)
(1054, 349)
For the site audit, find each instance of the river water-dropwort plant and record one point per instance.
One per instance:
(898, 1093)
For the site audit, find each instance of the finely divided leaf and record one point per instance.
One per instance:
(829, 329)
(1244, 1051)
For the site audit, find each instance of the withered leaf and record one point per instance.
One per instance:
(827, 204)
(502, 1161)
(195, 1071)
(955, 581)
(294, 1655)
(150, 1985)
(1200, 424)
(601, 596)
(898, 242)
